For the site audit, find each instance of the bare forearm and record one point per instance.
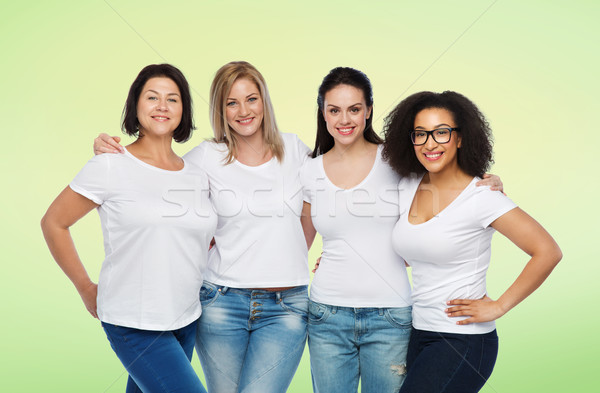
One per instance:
(533, 275)
(64, 253)
(307, 225)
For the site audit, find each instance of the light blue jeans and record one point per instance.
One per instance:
(348, 343)
(251, 340)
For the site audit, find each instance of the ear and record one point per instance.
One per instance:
(459, 141)
(369, 111)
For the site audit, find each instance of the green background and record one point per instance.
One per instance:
(532, 67)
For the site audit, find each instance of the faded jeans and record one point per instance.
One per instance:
(349, 343)
(251, 340)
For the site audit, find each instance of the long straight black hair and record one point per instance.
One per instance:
(342, 76)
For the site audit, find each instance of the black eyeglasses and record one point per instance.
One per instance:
(439, 135)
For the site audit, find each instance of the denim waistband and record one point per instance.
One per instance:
(260, 293)
(359, 310)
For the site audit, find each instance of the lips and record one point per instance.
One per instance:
(345, 130)
(245, 122)
(433, 156)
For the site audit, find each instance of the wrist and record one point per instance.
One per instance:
(83, 285)
(502, 307)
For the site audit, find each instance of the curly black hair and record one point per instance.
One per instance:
(342, 76)
(474, 156)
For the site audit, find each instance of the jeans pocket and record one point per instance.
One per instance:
(399, 317)
(208, 294)
(317, 313)
(296, 304)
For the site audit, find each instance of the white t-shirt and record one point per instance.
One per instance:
(449, 254)
(157, 226)
(259, 239)
(359, 267)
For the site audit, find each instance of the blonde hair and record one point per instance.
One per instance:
(219, 90)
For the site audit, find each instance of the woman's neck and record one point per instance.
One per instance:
(252, 150)
(449, 178)
(352, 151)
(156, 151)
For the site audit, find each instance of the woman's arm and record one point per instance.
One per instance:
(530, 237)
(105, 143)
(65, 211)
(307, 225)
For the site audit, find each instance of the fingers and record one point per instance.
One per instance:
(465, 302)
(466, 321)
(104, 143)
(317, 264)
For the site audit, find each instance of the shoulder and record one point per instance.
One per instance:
(484, 192)
(208, 147)
(294, 147)
(107, 160)
(310, 168)
(489, 204)
(292, 141)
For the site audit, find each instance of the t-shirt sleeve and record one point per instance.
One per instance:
(92, 181)
(303, 150)
(491, 205)
(305, 182)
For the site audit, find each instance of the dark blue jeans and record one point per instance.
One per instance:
(449, 363)
(157, 361)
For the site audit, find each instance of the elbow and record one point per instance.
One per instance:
(44, 223)
(553, 254)
(557, 253)
(49, 223)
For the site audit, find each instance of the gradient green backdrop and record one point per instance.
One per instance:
(531, 66)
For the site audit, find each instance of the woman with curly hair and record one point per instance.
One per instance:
(441, 145)
(359, 318)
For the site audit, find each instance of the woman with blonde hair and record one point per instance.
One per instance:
(252, 332)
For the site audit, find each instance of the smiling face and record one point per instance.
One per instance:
(159, 107)
(244, 108)
(437, 157)
(346, 112)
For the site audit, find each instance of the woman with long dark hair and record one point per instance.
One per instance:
(360, 307)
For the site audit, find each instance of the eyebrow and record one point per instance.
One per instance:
(335, 106)
(155, 92)
(436, 127)
(249, 95)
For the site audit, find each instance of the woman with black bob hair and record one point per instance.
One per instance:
(441, 144)
(147, 292)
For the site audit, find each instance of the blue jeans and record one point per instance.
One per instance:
(348, 343)
(157, 361)
(251, 340)
(449, 363)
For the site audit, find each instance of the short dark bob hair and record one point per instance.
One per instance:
(130, 124)
(475, 154)
(342, 76)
